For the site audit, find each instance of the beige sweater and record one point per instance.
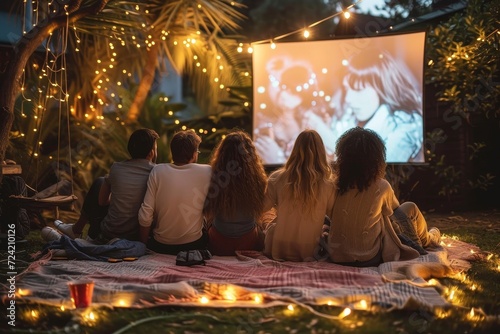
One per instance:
(297, 230)
(361, 226)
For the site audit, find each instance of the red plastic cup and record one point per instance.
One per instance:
(81, 292)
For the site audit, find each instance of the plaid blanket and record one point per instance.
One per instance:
(250, 280)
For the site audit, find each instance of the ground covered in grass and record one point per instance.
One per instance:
(476, 295)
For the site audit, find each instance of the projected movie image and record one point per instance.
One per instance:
(332, 86)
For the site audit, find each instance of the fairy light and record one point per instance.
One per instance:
(452, 294)
(347, 15)
(203, 300)
(433, 282)
(306, 33)
(23, 292)
(344, 313)
(363, 304)
(229, 294)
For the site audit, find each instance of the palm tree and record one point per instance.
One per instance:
(194, 36)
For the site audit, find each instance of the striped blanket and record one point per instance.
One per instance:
(249, 280)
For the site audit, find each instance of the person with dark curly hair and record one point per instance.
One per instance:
(302, 192)
(235, 200)
(369, 226)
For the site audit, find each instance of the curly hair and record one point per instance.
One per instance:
(360, 159)
(306, 168)
(238, 177)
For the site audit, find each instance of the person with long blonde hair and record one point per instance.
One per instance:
(303, 193)
(235, 200)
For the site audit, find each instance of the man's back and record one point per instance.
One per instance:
(175, 196)
(128, 182)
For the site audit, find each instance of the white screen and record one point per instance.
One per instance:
(334, 85)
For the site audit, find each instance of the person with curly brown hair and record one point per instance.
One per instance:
(302, 192)
(235, 200)
(369, 226)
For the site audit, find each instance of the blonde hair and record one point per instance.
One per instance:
(306, 169)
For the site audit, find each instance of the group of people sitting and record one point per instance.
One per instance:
(342, 211)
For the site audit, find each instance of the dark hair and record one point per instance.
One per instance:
(141, 142)
(183, 146)
(360, 159)
(238, 177)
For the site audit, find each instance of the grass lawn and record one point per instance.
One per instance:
(478, 289)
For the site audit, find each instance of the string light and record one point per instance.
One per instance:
(305, 30)
(344, 313)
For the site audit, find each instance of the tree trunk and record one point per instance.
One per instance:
(147, 79)
(10, 81)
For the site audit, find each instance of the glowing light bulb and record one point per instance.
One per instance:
(306, 33)
(363, 304)
(204, 300)
(347, 15)
(344, 313)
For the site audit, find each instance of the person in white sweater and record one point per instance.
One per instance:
(365, 230)
(302, 193)
(174, 199)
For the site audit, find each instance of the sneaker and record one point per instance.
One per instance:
(435, 235)
(66, 229)
(50, 234)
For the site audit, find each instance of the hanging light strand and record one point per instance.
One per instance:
(309, 26)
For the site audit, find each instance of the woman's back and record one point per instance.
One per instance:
(357, 222)
(297, 229)
(303, 193)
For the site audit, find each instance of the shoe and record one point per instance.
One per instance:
(50, 234)
(66, 229)
(435, 235)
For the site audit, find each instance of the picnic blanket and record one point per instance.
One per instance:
(249, 279)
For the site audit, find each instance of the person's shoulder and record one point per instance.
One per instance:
(383, 185)
(159, 167)
(276, 174)
(276, 177)
(201, 168)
